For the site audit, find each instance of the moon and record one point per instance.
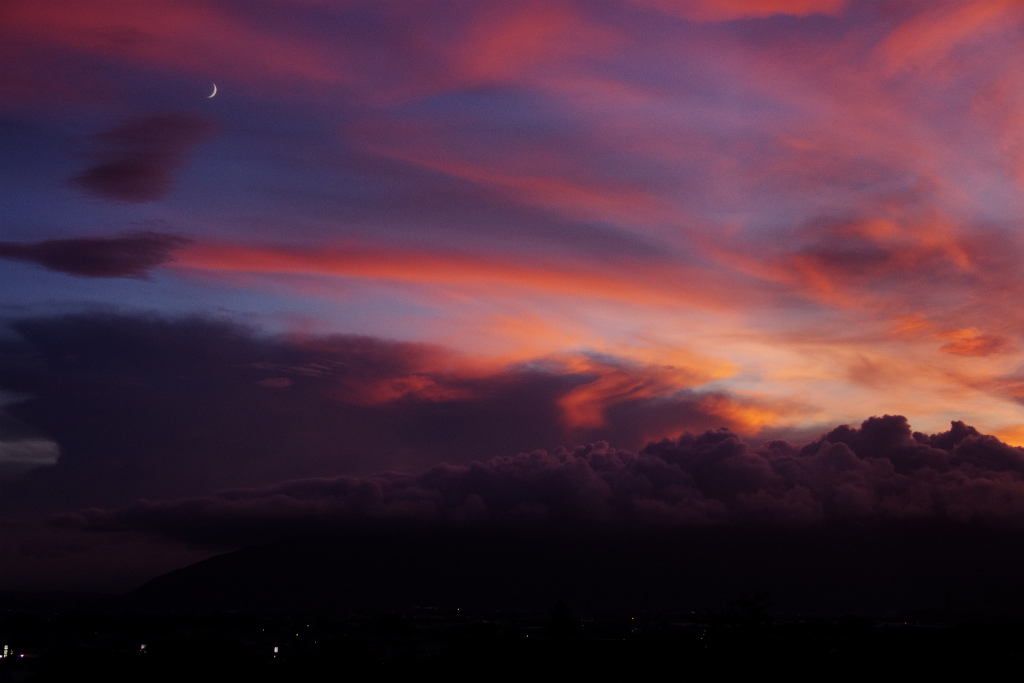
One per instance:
(214, 91)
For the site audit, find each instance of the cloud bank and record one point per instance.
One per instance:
(150, 407)
(877, 472)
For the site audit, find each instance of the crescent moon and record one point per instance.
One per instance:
(214, 91)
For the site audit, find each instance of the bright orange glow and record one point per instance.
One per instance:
(585, 406)
(1013, 435)
(971, 342)
(745, 418)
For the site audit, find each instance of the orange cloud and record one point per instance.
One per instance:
(911, 324)
(521, 336)
(652, 287)
(748, 417)
(585, 405)
(972, 342)
(1012, 435)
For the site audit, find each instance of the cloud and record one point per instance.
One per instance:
(657, 284)
(879, 471)
(18, 456)
(500, 45)
(149, 407)
(972, 342)
(131, 255)
(136, 162)
(928, 38)
(727, 10)
(615, 383)
(175, 35)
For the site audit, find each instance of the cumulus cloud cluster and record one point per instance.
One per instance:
(879, 471)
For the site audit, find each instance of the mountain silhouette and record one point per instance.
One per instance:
(857, 570)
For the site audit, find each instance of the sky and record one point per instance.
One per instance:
(275, 260)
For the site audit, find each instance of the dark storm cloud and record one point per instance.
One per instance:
(880, 471)
(149, 407)
(130, 255)
(172, 407)
(136, 162)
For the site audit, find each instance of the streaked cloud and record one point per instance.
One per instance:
(726, 10)
(136, 162)
(132, 255)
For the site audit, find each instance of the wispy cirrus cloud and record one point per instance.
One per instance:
(926, 39)
(727, 10)
(484, 272)
(173, 35)
(136, 161)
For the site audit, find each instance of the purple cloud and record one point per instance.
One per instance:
(137, 161)
(130, 255)
(172, 411)
(880, 471)
(186, 407)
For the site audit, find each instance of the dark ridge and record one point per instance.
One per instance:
(944, 569)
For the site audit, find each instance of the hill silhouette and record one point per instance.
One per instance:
(943, 569)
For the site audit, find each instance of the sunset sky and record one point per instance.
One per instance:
(405, 234)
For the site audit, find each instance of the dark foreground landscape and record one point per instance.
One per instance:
(912, 602)
(739, 642)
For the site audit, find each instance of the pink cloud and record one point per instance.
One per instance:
(727, 10)
(501, 43)
(926, 39)
(174, 35)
